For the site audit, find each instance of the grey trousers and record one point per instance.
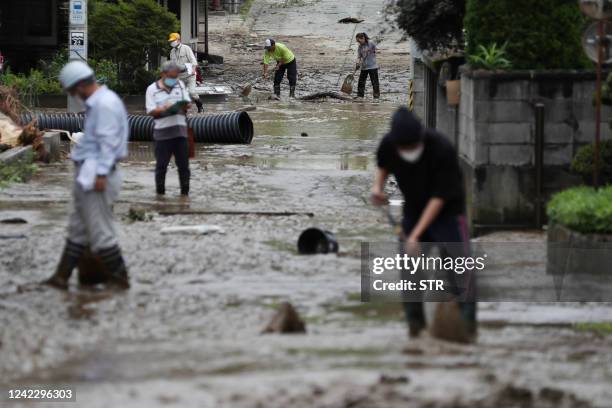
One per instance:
(91, 220)
(190, 83)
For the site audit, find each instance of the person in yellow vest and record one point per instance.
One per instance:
(285, 61)
(183, 55)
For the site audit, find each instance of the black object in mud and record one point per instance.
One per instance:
(317, 241)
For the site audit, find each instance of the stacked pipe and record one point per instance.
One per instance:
(235, 127)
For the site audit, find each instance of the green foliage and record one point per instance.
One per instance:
(583, 209)
(543, 34)
(29, 87)
(245, 8)
(131, 34)
(600, 328)
(44, 81)
(582, 163)
(433, 24)
(17, 172)
(490, 58)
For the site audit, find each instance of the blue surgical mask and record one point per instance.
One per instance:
(170, 82)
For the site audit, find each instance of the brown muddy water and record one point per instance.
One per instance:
(188, 333)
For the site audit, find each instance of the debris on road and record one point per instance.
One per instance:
(350, 20)
(202, 229)
(16, 220)
(286, 320)
(321, 95)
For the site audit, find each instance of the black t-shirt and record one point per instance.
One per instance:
(436, 174)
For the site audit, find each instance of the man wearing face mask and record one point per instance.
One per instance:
(184, 57)
(98, 179)
(427, 172)
(167, 100)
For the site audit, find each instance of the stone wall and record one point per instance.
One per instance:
(496, 138)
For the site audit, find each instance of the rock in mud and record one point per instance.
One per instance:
(286, 320)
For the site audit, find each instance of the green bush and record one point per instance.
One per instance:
(132, 34)
(583, 209)
(29, 87)
(542, 34)
(582, 163)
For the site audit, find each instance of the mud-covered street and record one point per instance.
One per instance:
(188, 332)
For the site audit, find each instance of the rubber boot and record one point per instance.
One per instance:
(115, 267)
(199, 105)
(69, 260)
(160, 184)
(292, 91)
(277, 90)
(376, 92)
(415, 316)
(184, 181)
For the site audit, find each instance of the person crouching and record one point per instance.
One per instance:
(167, 100)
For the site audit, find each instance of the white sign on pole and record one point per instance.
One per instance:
(78, 44)
(78, 12)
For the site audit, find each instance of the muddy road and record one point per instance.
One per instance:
(188, 333)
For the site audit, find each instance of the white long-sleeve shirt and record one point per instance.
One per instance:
(106, 131)
(183, 54)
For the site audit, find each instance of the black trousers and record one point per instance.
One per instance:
(164, 150)
(291, 69)
(373, 73)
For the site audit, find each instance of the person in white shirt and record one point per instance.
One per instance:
(167, 100)
(97, 177)
(183, 55)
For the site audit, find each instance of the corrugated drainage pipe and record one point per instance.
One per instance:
(235, 127)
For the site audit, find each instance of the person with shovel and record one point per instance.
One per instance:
(167, 100)
(97, 177)
(366, 61)
(426, 169)
(285, 61)
(183, 55)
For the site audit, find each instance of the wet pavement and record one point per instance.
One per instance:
(188, 333)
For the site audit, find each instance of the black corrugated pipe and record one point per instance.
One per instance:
(235, 127)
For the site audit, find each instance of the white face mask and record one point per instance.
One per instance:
(412, 156)
(174, 44)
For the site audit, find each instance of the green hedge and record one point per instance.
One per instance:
(583, 209)
(582, 163)
(542, 34)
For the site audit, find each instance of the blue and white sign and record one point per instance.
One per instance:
(78, 12)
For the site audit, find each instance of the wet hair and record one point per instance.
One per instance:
(169, 66)
(363, 35)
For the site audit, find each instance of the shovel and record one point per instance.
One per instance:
(347, 85)
(246, 90)
(447, 323)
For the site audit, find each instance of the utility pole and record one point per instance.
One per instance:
(77, 42)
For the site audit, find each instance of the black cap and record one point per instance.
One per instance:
(406, 129)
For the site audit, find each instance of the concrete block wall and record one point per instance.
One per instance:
(496, 136)
(497, 119)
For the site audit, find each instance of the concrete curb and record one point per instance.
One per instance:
(51, 141)
(16, 154)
